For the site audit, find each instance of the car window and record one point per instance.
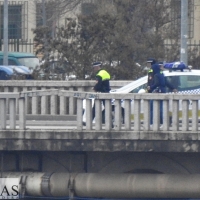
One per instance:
(136, 90)
(185, 82)
(174, 81)
(31, 62)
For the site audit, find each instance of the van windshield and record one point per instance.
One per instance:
(30, 62)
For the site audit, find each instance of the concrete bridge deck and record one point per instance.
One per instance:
(46, 140)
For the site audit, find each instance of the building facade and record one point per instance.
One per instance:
(24, 16)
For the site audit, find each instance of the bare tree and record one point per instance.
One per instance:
(54, 10)
(121, 32)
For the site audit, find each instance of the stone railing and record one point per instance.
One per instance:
(136, 110)
(180, 112)
(46, 105)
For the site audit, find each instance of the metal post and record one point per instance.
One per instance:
(44, 24)
(43, 13)
(5, 33)
(184, 31)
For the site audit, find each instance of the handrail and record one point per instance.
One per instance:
(35, 105)
(135, 111)
(140, 111)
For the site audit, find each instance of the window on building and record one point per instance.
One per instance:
(52, 13)
(39, 20)
(175, 15)
(191, 18)
(17, 20)
(50, 9)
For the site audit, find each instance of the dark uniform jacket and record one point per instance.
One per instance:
(159, 81)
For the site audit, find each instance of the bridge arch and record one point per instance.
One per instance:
(165, 163)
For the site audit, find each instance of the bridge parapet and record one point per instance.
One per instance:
(42, 105)
(135, 111)
(180, 111)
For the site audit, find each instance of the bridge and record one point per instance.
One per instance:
(42, 131)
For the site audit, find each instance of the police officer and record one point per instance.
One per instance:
(102, 82)
(159, 84)
(102, 78)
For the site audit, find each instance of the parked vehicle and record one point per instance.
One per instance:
(21, 59)
(15, 72)
(186, 82)
(20, 65)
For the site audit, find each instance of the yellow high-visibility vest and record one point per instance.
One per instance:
(104, 75)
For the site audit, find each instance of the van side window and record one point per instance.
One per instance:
(11, 62)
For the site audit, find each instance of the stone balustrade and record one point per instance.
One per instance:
(46, 105)
(182, 109)
(136, 110)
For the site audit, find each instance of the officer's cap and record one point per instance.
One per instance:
(95, 64)
(151, 60)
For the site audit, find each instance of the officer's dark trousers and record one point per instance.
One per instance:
(151, 112)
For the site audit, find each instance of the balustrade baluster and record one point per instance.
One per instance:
(12, 108)
(156, 114)
(71, 103)
(175, 115)
(16, 89)
(98, 114)
(22, 116)
(53, 104)
(80, 89)
(166, 116)
(127, 114)
(108, 114)
(185, 116)
(137, 114)
(6, 89)
(195, 115)
(118, 115)
(63, 104)
(79, 114)
(27, 100)
(146, 111)
(34, 103)
(44, 103)
(3, 113)
(89, 114)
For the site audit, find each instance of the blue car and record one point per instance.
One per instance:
(15, 72)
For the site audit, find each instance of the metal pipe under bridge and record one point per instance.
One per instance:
(108, 185)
